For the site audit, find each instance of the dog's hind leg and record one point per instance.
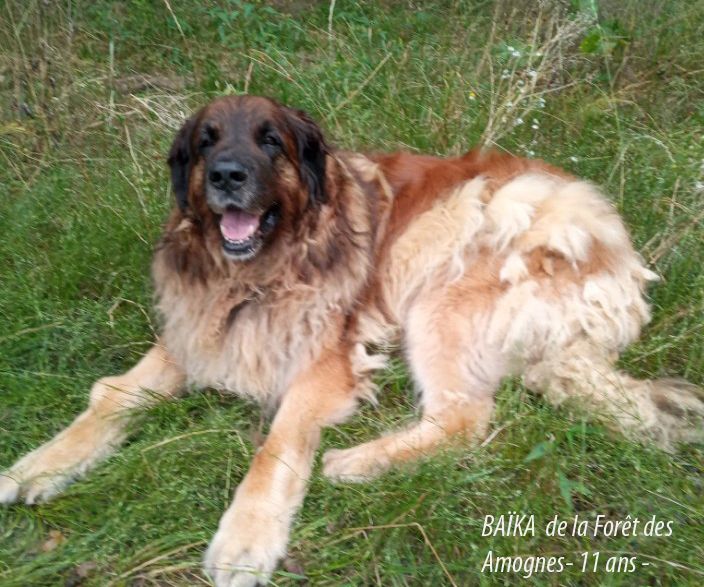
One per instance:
(457, 372)
(660, 411)
(95, 433)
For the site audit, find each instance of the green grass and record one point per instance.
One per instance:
(84, 193)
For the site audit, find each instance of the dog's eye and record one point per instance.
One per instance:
(208, 137)
(271, 140)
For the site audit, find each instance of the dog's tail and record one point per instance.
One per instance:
(663, 411)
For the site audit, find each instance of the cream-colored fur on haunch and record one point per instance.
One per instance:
(510, 268)
(536, 278)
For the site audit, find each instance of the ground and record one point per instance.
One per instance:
(91, 95)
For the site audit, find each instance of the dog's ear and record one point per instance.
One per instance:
(181, 161)
(312, 151)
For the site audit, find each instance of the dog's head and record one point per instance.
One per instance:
(246, 166)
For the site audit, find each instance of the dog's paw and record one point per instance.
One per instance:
(353, 465)
(9, 487)
(245, 555)
(15, 487)
(679, 411)
(37, 477)
(47, 470)
(30, 486)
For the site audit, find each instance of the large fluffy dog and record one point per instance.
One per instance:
(285, 261)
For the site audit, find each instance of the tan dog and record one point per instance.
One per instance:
(284, 261)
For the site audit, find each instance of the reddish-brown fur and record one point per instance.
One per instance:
(419, 180)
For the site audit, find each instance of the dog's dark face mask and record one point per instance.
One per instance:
(247, 165)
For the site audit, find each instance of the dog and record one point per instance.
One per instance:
(287, 269)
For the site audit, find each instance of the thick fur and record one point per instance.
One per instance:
(477, 267)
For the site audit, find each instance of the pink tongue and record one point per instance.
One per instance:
(236, 225)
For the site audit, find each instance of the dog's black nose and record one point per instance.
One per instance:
(227, 175)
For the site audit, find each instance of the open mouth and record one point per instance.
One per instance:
(239, 230)
(242, 232)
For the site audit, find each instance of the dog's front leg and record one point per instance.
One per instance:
(253, 532)
(95, 433)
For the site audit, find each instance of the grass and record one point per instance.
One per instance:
(612, 91)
